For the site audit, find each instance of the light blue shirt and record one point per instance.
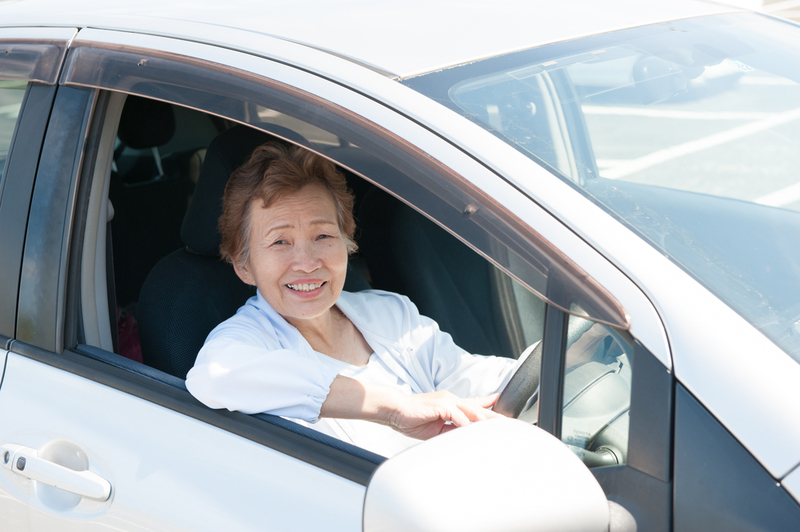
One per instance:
(257, 362)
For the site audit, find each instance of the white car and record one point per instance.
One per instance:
(609, 187)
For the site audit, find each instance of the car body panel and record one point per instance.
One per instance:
(163, 489)
(410, 40)
(718, 485)
(38, 33)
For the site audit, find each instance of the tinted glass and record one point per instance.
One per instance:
(597, 393)
(11, 94)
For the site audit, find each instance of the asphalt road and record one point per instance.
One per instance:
(733, 134)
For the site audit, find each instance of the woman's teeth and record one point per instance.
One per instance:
(305, 287)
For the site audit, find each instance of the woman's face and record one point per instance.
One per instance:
(298, 255)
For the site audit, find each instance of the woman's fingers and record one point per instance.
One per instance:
(488, 400)
(474, 410)
(477, 408)
(460, 417)
(426, 415)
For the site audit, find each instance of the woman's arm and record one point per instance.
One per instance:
(252, 379)
(420, 416)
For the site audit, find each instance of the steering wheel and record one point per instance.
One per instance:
(525, 381)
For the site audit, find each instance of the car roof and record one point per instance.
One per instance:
(399, 38)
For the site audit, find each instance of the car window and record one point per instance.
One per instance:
(484, 309)
(310, 132)
(423, 181)
(11, 95)
(686, 131)
(596, 393)
(154, 171)
(150, 158)
(478, 305)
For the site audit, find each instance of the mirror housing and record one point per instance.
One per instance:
(501, 475)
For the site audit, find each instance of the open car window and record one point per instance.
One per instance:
(139, 245)
(144, 187)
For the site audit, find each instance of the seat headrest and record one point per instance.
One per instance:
(146, 123)
(226, 153)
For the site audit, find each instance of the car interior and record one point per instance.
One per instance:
(150, 252)
(168, 275)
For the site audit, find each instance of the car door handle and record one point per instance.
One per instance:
(26, 462)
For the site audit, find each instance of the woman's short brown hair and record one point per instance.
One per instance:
(273, 170)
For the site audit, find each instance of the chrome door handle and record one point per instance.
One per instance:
(26, 462)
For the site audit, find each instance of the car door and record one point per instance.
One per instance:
(169, 462)
(127, 455)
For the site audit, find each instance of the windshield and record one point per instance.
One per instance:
(688, 131)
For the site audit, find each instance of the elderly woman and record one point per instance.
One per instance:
(352, 364)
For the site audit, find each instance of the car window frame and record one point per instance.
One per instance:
(644, 484)
(34, 56)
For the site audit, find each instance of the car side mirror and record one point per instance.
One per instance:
(501, 475)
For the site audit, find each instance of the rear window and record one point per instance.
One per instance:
(11, 95)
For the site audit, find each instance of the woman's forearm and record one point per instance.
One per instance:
(352, 399)
(420, 416)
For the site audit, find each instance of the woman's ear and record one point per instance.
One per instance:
(244, 274)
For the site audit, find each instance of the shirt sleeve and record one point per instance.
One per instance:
(450, 367)
(251, 378)
(465, 374)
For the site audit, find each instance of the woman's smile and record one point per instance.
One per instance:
(304, 287)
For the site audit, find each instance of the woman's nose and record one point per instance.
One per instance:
(305, 257)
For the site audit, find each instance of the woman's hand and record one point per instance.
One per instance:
(426, 415)
(420, 416)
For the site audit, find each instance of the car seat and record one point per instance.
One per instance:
(149, 194)
(465, 294)
(192, 290)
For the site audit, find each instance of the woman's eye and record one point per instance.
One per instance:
(320, 237)
(279, 242)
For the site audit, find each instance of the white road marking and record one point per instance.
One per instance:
(661, 156)
(759, 80)
(781, 197)
(609, 163)
(669, 113)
